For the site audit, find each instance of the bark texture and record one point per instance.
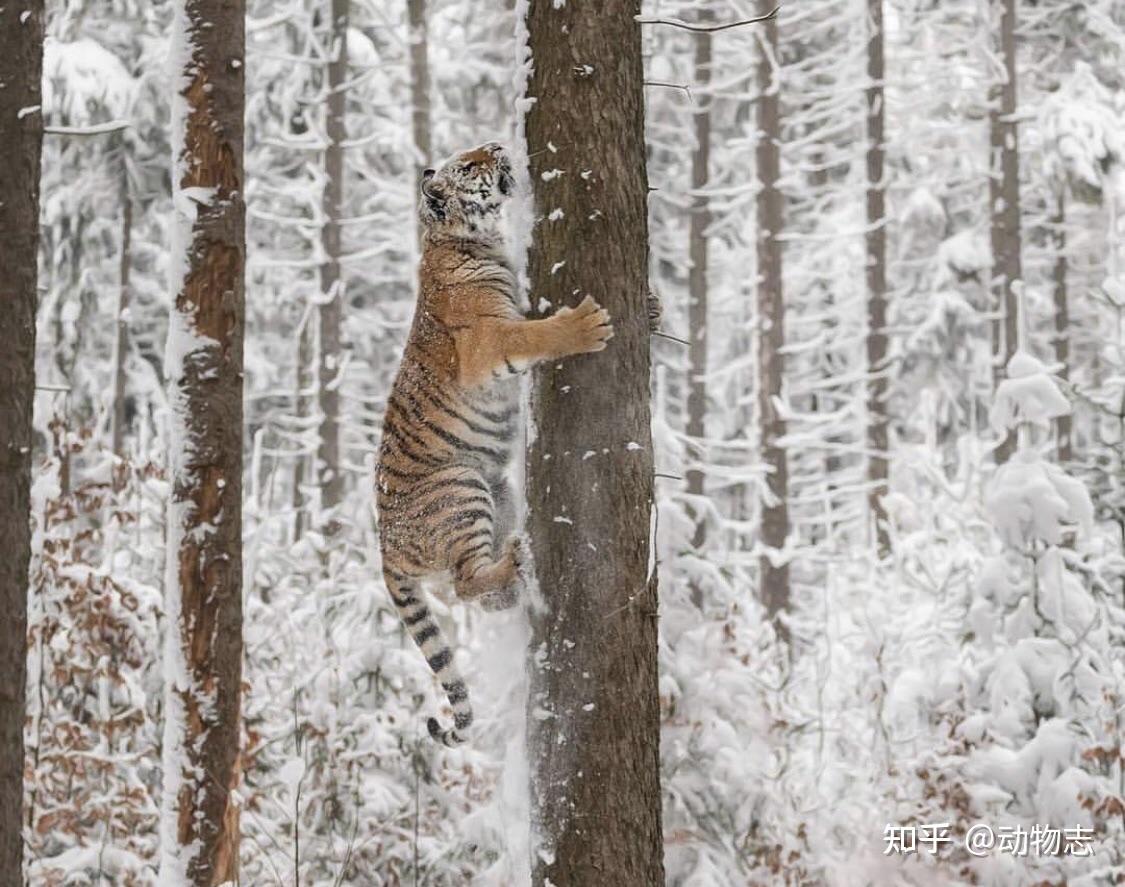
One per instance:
(1004, 192)
(330, 474)
(204, 578)
(420, 85)
(698, 223)
(1062, 323)
(21, 137)
(876, 283)
(594, 710)
(121, 343)
(771, 322)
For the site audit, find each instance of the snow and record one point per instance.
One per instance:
(1028, 395)
(96, 84)
(971, 674)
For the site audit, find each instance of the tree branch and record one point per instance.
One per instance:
(707, 29)
(680, 86)
(98, 129)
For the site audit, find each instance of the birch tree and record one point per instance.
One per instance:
(594, 713)
(21, 137)
(204, 365)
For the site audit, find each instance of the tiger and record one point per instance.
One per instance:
(443, 501)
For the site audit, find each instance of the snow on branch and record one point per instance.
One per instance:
(707, 29)
(97, 129)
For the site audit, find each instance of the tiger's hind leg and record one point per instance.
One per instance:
(492, 582)
(479, 570)
(504, 517)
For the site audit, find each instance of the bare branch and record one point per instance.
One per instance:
(667, 85)
(673, 338)
(707, 29)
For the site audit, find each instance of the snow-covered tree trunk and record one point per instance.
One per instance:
(1064, 423)
(1004, 206)
(204, 365)
(121, 342)
(329, 469)
(21, 137)
(594, 709)
(774, 582)
(877, 462)
(698, 223)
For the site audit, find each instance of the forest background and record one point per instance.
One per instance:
(888, 411)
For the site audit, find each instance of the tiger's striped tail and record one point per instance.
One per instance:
(420, 622)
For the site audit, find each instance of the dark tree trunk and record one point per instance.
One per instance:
(1062, 323)
(305, 395)
(698, 223)
(1004, 193)
(121, 343)
(330, 476)
(771, 323)
(420, 86)
(876, 283)
(21, 137)
(204, 575)
(594, 723)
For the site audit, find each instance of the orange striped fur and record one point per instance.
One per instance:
(443, 500)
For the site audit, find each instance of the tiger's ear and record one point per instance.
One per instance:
(433, 201)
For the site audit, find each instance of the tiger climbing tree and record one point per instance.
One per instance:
(21, 136)
(203, 363)
(593, 720)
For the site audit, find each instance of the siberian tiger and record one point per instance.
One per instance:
(444, 504)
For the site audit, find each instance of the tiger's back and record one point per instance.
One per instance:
(441, 439)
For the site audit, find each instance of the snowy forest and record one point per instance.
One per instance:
(829, 550)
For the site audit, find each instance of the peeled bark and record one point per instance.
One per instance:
(329, 470)
(203, 652)
(771, 334)
(1004, 193)
(593, 720)
(21, 138)
(698, 223)
(877, 441)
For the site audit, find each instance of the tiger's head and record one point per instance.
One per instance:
(464, 197)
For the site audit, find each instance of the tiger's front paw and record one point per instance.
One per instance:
(586, 327)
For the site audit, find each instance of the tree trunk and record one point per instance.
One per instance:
(329, 471)
(1004, 192)
(419, 87)
(203, 647)
(698, 223)
(771, 338)
(21, 137)
(1062, 323)
(306, 384)
(876, 283)
(121, 343)
(594, 710)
